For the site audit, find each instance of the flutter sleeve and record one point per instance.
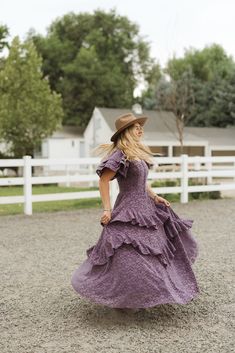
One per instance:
(117, 162)
(150, 165)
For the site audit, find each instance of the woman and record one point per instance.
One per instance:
(144, 254)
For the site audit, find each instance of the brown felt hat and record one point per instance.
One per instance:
(126, 120)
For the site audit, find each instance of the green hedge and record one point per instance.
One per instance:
(192, 195)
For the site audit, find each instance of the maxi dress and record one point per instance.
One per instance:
(144, 254)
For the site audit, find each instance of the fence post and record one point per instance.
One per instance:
(209, 168)
(197, 164)
(91, 171)
(67, 175)
(184, 179)
(234, 171)
(27, 185)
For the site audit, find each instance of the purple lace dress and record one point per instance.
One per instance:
(145, 253)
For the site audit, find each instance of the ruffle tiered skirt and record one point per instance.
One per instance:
(140, 262)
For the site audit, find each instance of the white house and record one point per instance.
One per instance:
(160, 133)
(66, 142)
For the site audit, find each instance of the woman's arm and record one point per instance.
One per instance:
(150, 191)
(104, 180)
(156, 197)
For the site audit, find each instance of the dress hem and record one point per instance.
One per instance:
(150, 304)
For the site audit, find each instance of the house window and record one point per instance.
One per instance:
(38, 148)
(73, 143)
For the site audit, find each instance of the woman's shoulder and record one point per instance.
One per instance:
(118, 153)
(115, 161)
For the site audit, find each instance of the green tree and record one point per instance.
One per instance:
(94, 60)
(4, 33)
(154, 77)
(210, 75)
(29, 111)
(215, 102)
(177, 96)
(205, 64)
(212, 72)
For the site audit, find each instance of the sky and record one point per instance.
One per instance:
(170, 26)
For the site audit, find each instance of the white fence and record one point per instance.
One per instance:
(189, 167)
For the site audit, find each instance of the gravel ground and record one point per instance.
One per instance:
(42, 313)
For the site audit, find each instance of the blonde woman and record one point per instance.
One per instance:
(145, 252)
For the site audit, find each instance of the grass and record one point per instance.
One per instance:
(41, 189)
(48, 206)
(175, 197)
(68, 205)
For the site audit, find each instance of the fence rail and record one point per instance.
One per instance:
(190, 167)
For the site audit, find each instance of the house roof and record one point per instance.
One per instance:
(215, 135)
(161, 126)
(67, 131)
(158, 120)
(173, 137)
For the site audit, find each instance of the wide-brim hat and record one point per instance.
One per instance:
(125, 120)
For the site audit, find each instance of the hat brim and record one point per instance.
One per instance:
(139, 120)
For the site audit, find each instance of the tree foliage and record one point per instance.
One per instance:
(4, 33)
(154, 77)
(210, 75)
(94, 60)
(215, 102)
(177, 96)
(29, 111)
(205, 64)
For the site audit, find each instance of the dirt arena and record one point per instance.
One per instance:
(41, 313)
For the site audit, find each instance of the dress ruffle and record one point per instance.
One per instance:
(117, 162)
(155, 217)
(165, 215)
(164, 219)
(144, 254)
(100, 253)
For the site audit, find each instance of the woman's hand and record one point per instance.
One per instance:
(105, 217)
(159, 199)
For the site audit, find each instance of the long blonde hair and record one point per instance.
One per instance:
(129, 144)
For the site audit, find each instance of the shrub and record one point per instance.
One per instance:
(199, 195)
(216, 194)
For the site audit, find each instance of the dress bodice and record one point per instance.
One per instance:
(133, 200)
(131, 175)
(135, 181)
(133, 203)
